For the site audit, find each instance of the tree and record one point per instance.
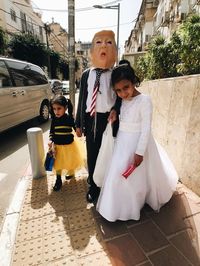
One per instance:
(189, 51)
(3, 41)
(55, 60)
(64, 69)
(29, 48)
(179, 56)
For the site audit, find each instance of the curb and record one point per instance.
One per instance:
(10, 224)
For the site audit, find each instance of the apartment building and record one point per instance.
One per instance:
(19, 17)
(82, 55)
(58, 39)
(158, 17)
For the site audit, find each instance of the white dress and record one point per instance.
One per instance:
(153, 182)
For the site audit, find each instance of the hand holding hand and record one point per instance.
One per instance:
(112, 116)
(50, 143)
(78, 132)
(137, 160)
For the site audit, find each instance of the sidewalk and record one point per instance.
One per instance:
(61, 228)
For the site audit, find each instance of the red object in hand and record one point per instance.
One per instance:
(129, 171)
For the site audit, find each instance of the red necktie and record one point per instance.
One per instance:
(99, 71)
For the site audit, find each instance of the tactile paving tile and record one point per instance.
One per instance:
(74, 186)
(28, 253)
(54, 204)
(56, 246)
(32, 211)
(75, 201)
(68, 261)
(35, 195)
(86, 241)
(97, 259)
(29, 230)
(55, 222)
(80, 219)
(38, 183)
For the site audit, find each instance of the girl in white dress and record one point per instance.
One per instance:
(154, 178)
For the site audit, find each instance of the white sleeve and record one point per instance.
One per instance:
(146, 118)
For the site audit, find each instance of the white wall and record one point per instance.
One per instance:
(176, 123)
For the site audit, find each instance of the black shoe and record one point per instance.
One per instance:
(93, 194)
(68, 177)
(88, 181)
(58, 184)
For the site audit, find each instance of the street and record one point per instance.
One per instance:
(14, 160)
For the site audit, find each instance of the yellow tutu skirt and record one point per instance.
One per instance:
(69, 157)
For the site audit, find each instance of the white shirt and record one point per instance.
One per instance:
(105, 97)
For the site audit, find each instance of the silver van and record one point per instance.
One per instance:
(24, 93)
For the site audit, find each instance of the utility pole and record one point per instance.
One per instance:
(71, 50)
(48, 31)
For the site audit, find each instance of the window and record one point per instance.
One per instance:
(26, 75)
(23, 22)
(5, 80)
(13, 15)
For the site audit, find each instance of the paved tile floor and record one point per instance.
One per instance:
(61, 228)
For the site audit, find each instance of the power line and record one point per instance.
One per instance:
(76, 10)
(111, 26)
(62, 45)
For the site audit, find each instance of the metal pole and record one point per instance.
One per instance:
(36, 150)
(71, 49)
(118, 18)
(47, 31)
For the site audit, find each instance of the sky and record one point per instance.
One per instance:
(89, 20)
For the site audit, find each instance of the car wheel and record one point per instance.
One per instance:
(44, 112)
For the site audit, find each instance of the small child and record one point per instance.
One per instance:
(140, 170)
(61, 138)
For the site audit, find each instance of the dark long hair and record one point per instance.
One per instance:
(124, 71)
(61, 100)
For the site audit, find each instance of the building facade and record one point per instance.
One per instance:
(158, 17)
(19, 17)
(82, 52)
(58, 39)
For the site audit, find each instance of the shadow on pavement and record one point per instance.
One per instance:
(67, 228)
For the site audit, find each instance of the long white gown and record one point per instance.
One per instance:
(153, 182)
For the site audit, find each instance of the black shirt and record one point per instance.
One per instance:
(61, 130)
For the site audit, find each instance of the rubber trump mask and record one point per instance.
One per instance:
(103, 52)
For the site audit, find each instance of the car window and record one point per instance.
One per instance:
(38, 75)
(5, 80)
(26, 75)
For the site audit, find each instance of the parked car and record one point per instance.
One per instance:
(24, 93)
(65, 86)
(56, 86)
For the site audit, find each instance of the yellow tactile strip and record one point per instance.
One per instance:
(97, 259)
(58, 228)
(80, 218)
(56, 246)
(28, 253)
(67, 261)
(46, 225)
(86, 241)
(75, 201)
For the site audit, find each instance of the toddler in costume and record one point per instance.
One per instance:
(154, 179)
(68, 156)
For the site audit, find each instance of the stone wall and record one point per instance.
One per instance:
(176, 123)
